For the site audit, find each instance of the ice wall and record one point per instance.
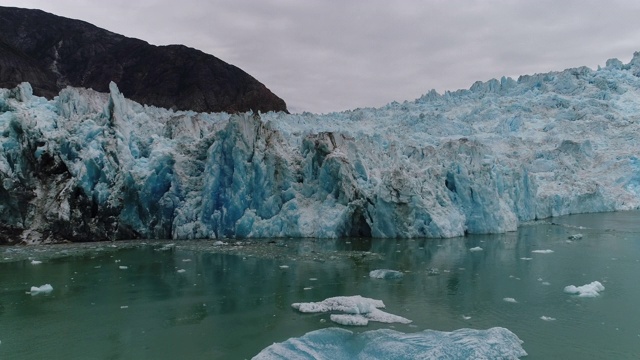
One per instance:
(89, 166)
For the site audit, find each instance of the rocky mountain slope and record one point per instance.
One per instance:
(52, 52)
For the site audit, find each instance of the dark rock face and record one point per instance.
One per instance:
(52, 52)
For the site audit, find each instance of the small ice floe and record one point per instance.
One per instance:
(117, 261)
(122, 267)
(180, 271)
(124, 307)
(186, 260)
(547, 318)
(477, 248)
(97, 266)
(433, 272)
(359, 310)
(466, 317)
(44, 289)
(385, 274)
(575, 237)
(349, 320)
(313, 279)
(546, 283)
(307, 288)
(36, 262)
(219, 243)
(167, 247)
(510, 300)
(589, 290)
(284, 266)
(547, 251)
(526, 258)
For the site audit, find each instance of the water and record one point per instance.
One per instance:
(233, 300)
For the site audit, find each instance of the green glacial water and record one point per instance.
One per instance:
(202, 300)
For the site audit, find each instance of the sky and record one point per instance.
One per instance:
(333, 55)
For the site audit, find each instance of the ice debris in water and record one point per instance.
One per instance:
(385, 274)
(547, 318)
(122, 267)
(180, 271)
(589, 290)
(44, 289)
(510, 300)
(36, 262)
(361, 310)
(547, 251)
(477, 248)
(575, 237)
(341, 344)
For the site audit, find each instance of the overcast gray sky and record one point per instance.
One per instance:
(332, 55)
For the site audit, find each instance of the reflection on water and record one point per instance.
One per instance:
(234, 299)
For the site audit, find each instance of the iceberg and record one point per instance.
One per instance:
(44, 289)
(588, 290)
(338, 344)
(89, 166)
(385, 274)
(359, 310)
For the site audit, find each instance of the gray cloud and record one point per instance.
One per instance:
(322, 55)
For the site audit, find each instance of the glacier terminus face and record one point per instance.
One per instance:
(89, 166)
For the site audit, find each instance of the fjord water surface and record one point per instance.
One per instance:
(206, 300)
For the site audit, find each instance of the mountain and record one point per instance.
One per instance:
(52, 52)
(93, 166)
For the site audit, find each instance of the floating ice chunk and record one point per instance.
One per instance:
(477, 248)
(385, 274)
(349, 304)
(36, 262)
(180, 271)
(526, 258)
(338, 344)
(385, 317)
(219, 243)
(354, 305)
(589, 290)
(44, 289)
(313, 279)
(122, 267)
(307, 288)
(124, 307)
(547, 251)
(547, 318)
(546, 283)
(510, 300)
(186, 260)
(466, 317)
(284, 266)
(349, 319)
(575, 237)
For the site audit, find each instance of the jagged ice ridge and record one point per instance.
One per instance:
(92, 166)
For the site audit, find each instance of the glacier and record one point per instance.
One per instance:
(90, 166)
